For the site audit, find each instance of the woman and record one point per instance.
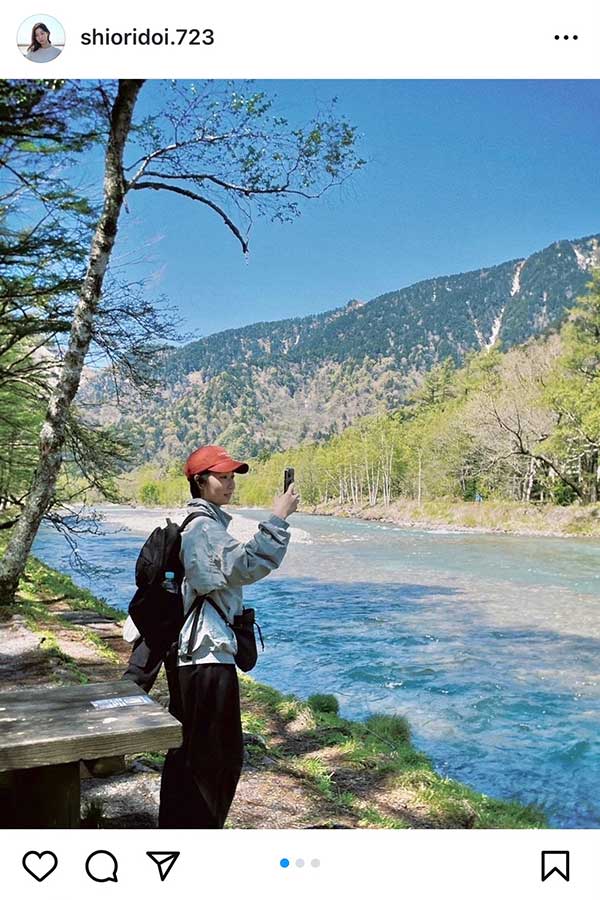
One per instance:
(200, 777)
(41, 49)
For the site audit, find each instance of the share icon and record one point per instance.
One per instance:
(165, 860)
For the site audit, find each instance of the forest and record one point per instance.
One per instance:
(520, 426)
(271, 386)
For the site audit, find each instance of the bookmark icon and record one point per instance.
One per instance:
(555, 862)
(164, 860)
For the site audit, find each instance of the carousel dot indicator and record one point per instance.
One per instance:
(284, 863)
(299, 863)
(315, 863)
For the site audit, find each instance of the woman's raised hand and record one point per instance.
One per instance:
(286, 504)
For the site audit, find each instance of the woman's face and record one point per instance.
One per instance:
(41, 37)
(218, 487)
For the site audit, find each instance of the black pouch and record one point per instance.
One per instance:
(243, 627)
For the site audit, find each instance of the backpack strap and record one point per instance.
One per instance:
(217, 609)
(262, 643)
(196, 606)
(226, 620)
(191, 516)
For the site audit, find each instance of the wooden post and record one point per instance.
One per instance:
(45, 797)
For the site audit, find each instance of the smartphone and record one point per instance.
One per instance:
(288, 477)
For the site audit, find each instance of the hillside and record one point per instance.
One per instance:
(273, 385)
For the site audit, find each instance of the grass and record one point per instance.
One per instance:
(150, 758)
(390, 729)
(285, 707)
(42, 582)
(92, 638)
(50, 646)
(316, 771)
(254, 724)
(323, 703)
(322, 779)
(93, 814)
(40, 588)
(379, 757)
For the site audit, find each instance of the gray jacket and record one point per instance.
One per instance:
(216, 564)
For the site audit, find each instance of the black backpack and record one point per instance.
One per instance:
(156, 612)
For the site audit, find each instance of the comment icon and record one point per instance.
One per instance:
(102, 866)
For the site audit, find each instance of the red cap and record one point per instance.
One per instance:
(212, 459)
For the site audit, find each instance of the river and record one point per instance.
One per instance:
(488, 644)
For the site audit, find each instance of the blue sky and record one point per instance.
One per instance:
(459, 175)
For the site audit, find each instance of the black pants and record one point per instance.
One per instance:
(200, 777)
(144, 665)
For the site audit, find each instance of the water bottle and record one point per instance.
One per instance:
(169, 584)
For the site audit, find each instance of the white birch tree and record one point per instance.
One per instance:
(216, 145)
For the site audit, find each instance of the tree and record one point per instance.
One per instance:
(437, 385)
(44, 224)
(218, 147)
(62, 394)
(510, 421)
(573, 393)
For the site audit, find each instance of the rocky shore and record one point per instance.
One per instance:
(488, 517)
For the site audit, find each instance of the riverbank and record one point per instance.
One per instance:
(141, 520)
(487, 517)
(305, 766)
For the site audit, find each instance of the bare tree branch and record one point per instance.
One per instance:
(157, 186)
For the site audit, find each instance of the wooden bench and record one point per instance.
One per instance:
(45, 733)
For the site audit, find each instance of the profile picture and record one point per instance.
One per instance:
(41, 38)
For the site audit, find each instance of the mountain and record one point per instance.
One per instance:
(272, 385)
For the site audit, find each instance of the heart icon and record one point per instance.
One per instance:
(40, 865)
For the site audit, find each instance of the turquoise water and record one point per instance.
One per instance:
(489, 644)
